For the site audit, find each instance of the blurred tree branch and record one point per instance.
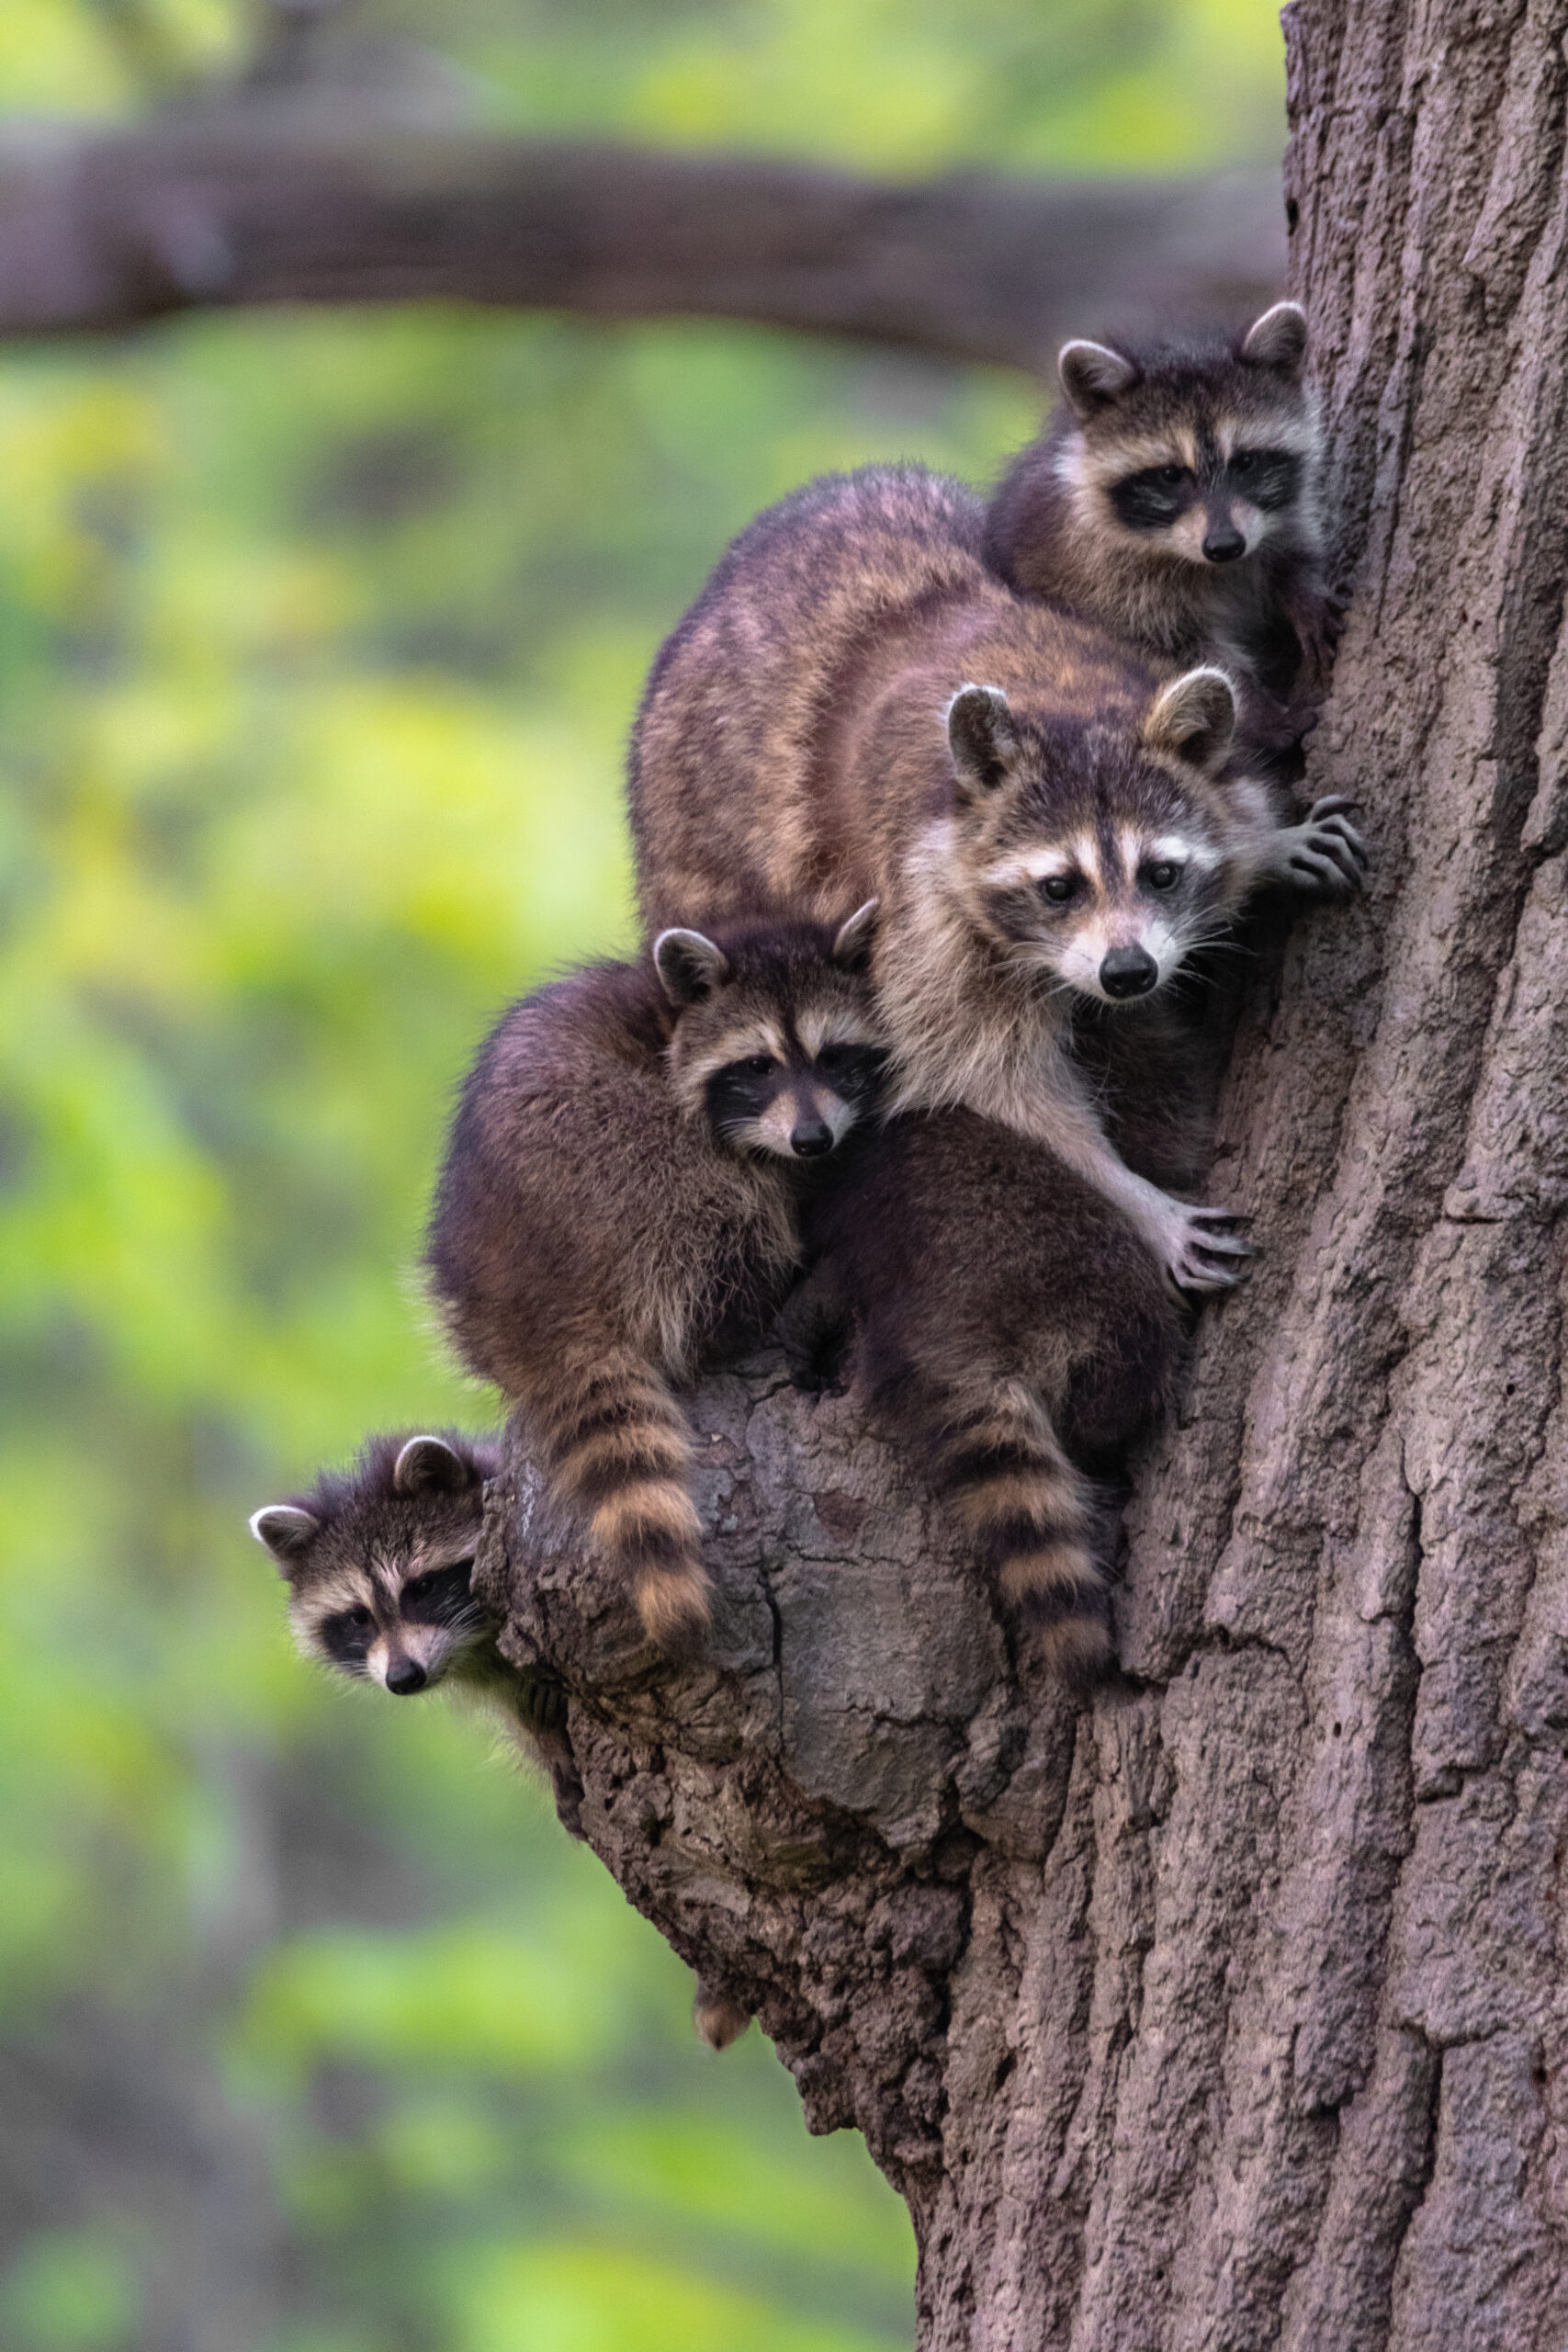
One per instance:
(257, 199)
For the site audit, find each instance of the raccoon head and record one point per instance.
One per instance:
(379, 1561)
(1088, 852)
(774, 1041)
(1202, 453)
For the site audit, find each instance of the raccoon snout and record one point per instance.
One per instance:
(1223, 543)
(809, 1138)
(405, 1676)
(1128, 972)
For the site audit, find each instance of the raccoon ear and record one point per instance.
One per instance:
(1279, 339)
(981, 738)
(689, 967)
(287, 1531)
(852, 944)
(1194, 717)
(429, 1465)
(1093, 376)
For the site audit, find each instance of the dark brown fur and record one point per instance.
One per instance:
(606, 1224)
(1055, 527)
(795, 751)
(378, 1561)
(1012, 1333)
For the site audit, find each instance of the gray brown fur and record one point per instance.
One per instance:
(378, 1562)
(800, 746)
(617, 1211)
(1079, 517)
(1012, 1332)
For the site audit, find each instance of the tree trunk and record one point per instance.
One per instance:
(1230, 2011)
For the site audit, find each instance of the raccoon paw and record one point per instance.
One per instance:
(541, 1702)
(1205, 1249)
(1325, 853)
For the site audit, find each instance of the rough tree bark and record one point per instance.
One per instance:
(1230, 2012)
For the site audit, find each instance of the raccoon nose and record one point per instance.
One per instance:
(1224, 543)
(811, 1138)
(404, 1676)
(1128, 971)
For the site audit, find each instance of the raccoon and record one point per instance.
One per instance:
(1176, 498)
(379, 1565)
(718, 2017)
(1075, 830)
(619, 1207)
(1012, 1332)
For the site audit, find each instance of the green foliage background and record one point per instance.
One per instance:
(318, 639)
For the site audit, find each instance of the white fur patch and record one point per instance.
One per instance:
(1029, 866)
(1086, 952)
(1158, 939)
(1251, 522)
(1185, 536)
(1180, 849)
(1296, 434)
(838, 1027)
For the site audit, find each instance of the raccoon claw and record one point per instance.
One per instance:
(1210, 1253)
(1325, 851)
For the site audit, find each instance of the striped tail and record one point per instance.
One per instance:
(620, 1453)
(1032, 1512)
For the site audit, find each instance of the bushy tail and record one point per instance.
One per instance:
(620, 1453)
(1033, 1513)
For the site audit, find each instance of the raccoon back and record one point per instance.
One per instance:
(791, 737)
(579, 1209)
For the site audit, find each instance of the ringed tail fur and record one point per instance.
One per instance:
(1032, 1513)
(620, 1452)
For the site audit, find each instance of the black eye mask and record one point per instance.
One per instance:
(740, 1091)
(438, 1595)
(854, 1072)
(1267, 479)
(1152, 499)
(346, 1638)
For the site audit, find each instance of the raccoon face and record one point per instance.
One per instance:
(775, 1043)
(1203, 456)
(1088, 854)
(380, 1568)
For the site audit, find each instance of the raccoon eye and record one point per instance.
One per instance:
(1163, 876)
(357, 1618)
(1059, 888)
(1170, 475)
(757, 1065)
(437, 1580)
(1244, 461)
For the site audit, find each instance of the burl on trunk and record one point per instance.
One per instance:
(1231, 2011)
